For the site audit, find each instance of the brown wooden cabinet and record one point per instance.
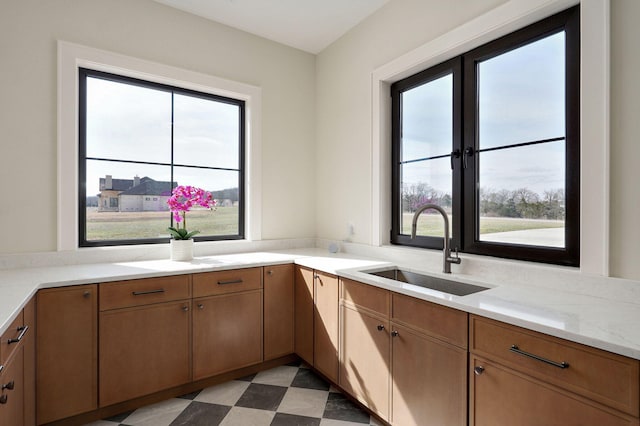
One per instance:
(12, 389)
(397, 356)
(325, 325)
(143, 350)
(17, 368)
(429, 369)
(227, 333)
(66, 338)
(540, 379)
(278, 310)
(29, 376)
(316, 320)
(144, 337)
(227, 321)
(304, 313)
(365, 358)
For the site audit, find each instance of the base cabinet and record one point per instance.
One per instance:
(67, 352)
(365, 359)
(12, 390)
(501, 396)
(278, 284)
(227, 333)
(303, 301)
(143, 350)
(429, 380)
(325, 325)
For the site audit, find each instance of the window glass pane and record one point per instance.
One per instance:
(522, 195)
(127, 122)
(427, 119)
(206, 132)
(224, 186)
(426, 182)
(126, 201)
(522, 94)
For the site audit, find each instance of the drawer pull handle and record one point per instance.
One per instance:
(23, 330)
(238, 281)
(380, 327)
(478, 370)
(3, 399)
(142, 293)
(516, 349)
(11, 385)
(394, 333)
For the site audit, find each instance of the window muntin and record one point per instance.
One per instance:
(511, 148)
(132, 134)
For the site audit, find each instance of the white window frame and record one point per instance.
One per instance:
(72, 56)
(594, 110)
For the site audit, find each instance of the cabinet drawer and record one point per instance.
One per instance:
(608, 378)
(11, 338)
(125, 294)
(447, 324)
(221, 282)
(366, 296)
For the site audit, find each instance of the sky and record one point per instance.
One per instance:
(521, 99)
(127, 122)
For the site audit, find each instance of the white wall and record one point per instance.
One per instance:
(344, 116)
(625, 139)
(144, 29)
(344, 70)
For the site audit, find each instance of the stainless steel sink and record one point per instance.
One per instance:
(426, 281)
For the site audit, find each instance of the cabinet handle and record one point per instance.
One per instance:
(238, 281)
(395, 333)
(200, 306)
(517, 350)
(3, 399)
(185, 308)
(270, 272)
(9, 385)
(380, 327)
(86, 294)
(142, 293)
(23, 330)
(1, 368)
(478, 370)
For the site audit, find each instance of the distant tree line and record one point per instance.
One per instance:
(226, 194)
(518, 203)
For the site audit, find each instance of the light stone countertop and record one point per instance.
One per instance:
(589, 317)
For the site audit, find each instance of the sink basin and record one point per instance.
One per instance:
(426, 281)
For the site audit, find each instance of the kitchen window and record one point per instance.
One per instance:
(140, 139)
(492, 136)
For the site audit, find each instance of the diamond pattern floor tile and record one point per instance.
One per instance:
(291, 394)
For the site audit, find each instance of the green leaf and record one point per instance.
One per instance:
(180, 234)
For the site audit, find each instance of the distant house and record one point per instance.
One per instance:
(133, 195)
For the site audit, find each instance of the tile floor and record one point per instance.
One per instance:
(288, 395)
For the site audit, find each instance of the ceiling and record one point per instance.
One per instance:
(309, 25)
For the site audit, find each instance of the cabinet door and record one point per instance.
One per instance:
(143, 350)
(429, 381)
(364, 359)
(67, 367)
(12, 390)
(29, 343)
(304, 313)
(278, 311)
(325, 322)
(500, 396)
(227, 333)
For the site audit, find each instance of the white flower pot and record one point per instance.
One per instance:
(181, 250)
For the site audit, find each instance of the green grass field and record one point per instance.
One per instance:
(224, 221)
(433, 225)
(132, 225)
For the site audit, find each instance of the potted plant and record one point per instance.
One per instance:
(182, 199)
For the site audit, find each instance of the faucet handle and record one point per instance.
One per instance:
(453, 257)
